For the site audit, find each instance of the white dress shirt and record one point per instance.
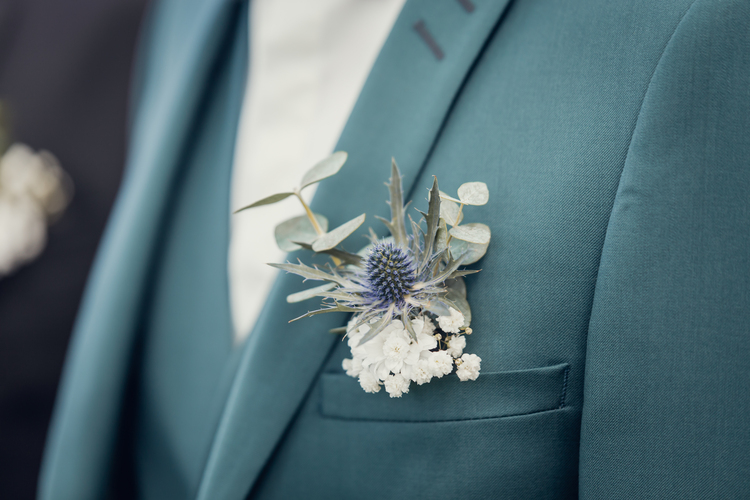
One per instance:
(308, 62)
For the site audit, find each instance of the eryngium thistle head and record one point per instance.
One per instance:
(389, 273)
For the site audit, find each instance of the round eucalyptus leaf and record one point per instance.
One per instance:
(457, 285)
(298, 229)
(474, 193)
(268, 200)
(472, 251)
(324, 169)
(336, 236)
(449, 212)
(474, 232)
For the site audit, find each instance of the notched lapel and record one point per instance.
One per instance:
(399, 113)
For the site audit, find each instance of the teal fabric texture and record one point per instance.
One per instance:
(612, 313)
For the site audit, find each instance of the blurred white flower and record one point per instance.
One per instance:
(22, 233)
(33, 188)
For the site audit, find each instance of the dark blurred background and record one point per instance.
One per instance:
(64, 76)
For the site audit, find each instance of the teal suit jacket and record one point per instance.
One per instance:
(612, 313)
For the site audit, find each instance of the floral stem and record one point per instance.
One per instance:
(310, 215)
(458, 218)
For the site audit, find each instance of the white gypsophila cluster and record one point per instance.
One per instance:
(32, 189)
(394, 360)
(468, 368)
(452, 323)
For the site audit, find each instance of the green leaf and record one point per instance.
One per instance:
(433, 220)
(441, 239)
(474, 232)
(336, 236)
(450, 213)
(335, 308)
(309, 293)
(457, 295)
(345, 257)
(472, 252)
(298, 229)
(324, 169)
(407, 324)
(398, 223)
(456, 285)
(377, 327)
(268, 200)
(311, 273)
(473, 193)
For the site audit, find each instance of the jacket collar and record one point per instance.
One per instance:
(399, 113)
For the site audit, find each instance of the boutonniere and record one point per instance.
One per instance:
(406, 292)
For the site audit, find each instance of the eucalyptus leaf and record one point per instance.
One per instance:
(439, 308)
(474, 232)
(457, 285)
(450, 212)
(472, 252)
(336, 236)
(324, 169)
(345, 257)
(473, 193)
(268, 200)
(298, 229)
(309, 293)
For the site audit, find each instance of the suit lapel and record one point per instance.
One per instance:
(181, 52)
(399, 113)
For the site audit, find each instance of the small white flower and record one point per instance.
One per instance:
(452, 323)
(353, 367)
(396, 385)
(368, 382)
(396, 349)
(469, 367)
(456, 345)
(423, 373)
(440, 363)
(428, 327)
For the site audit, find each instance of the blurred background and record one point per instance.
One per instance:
(65, 70)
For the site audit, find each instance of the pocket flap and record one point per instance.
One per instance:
(492, 395)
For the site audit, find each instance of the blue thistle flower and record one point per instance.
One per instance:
(390, 272)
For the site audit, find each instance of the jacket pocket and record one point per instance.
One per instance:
(492, 395)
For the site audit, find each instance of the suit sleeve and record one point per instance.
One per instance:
(667, 382)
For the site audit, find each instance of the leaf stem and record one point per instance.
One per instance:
(309, 213)
(458, 221)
